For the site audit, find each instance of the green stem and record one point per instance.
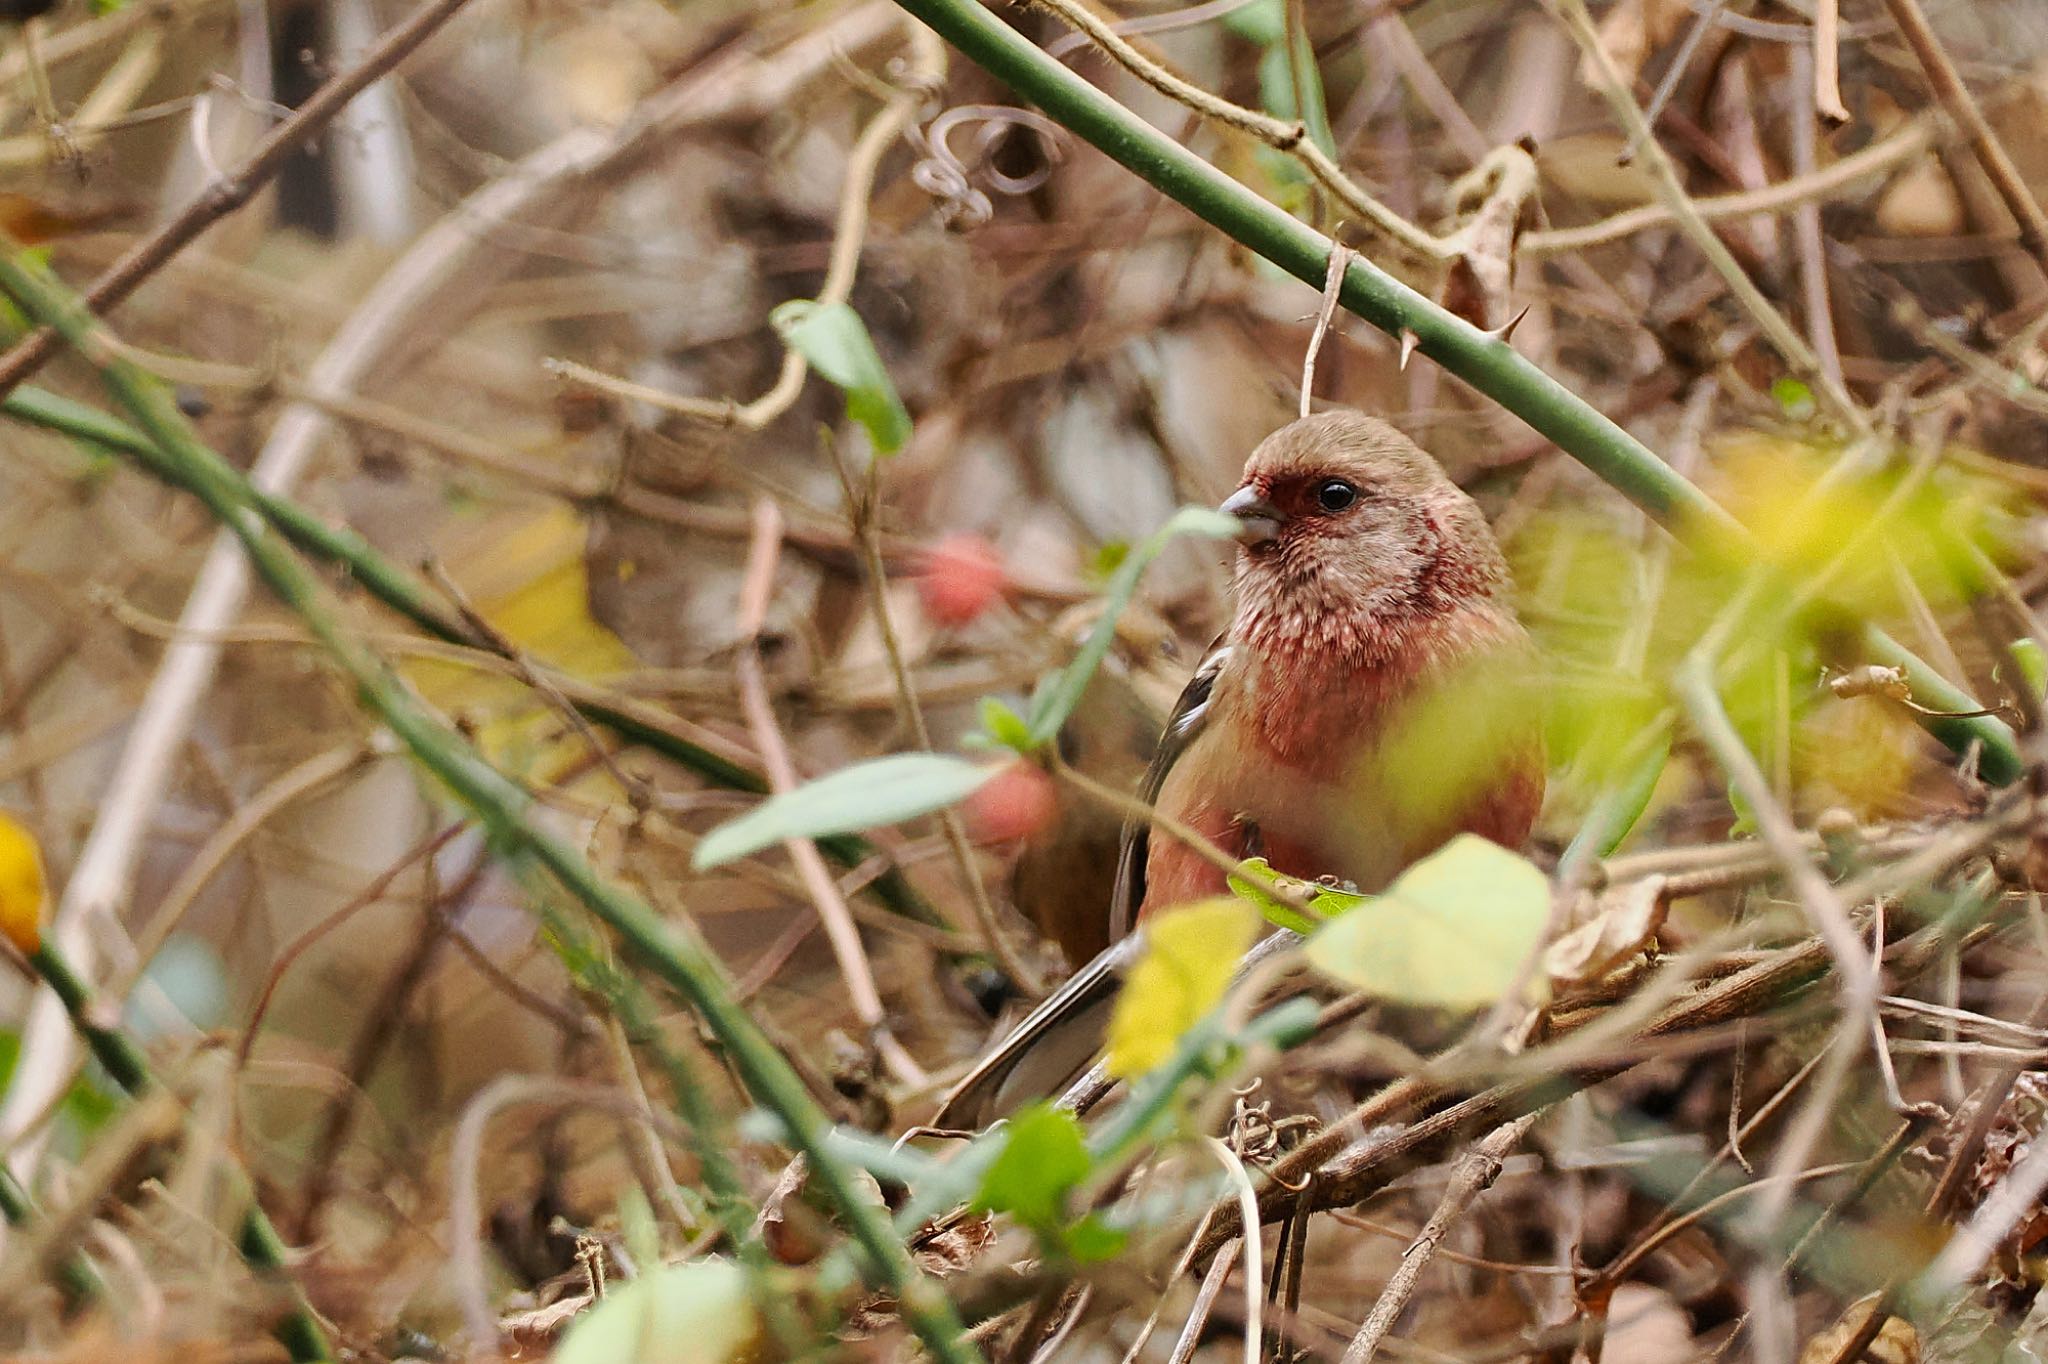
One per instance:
(1481, 359)
(403, 593)
(123, 1060)
(495, 801)
(76, 1276)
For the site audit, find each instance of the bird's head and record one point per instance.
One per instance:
(1349, 529)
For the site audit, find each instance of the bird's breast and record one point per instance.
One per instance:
(1352, 772)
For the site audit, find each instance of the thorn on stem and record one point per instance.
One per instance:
(1507, 328)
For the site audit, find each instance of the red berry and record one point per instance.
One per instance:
(961, 577)
(1014, 804)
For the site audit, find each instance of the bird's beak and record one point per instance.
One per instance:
(1258, 519)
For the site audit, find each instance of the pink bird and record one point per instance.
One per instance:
(1373, 628)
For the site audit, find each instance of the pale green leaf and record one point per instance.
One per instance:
(1453, 931)
(835, 341)
(1262, 21)
(697, 1313)
(1003, 727)
(863, 796)
(2033, 665)
(1190, 955)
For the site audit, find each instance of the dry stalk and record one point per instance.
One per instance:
(113, 96)
(1671, 189)
(1340, 261)
(1806, 233)
(1955, 97)
(1826, 55)
(1248, 1212)
(755, 592)
(1204, 1304)
(1856, 975)
(928, 62)
(1476, 1171)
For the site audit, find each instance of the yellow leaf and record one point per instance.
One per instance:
(21, 886)
(1190, 955)
(526, 576)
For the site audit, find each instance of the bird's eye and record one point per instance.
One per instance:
(1334, 494)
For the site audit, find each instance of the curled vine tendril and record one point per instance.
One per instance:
(942, 173)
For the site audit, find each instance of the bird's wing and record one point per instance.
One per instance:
(1190, 715)
(1059, 1037)
(1053, 1044)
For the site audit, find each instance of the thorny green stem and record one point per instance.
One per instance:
(496, 802)
(1480, 358)
(710, 1135)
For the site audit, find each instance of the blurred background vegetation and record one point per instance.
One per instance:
(516, 316)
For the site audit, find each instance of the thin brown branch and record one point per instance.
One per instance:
(861, 512)
(1615, 89)
(755, 592)
(1475, 1174)
(1883, 157)
(229, 193)
(928, 57)
(1205, 1303)
(1955, 97)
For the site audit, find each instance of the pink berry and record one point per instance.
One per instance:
(1014, 804)
(962, 576)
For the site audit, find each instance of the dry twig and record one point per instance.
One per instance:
(1476, 1171)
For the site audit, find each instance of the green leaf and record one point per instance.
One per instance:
(696, 1313)
(1041, 1162)
(1004, 727)
(1253, 881)
(1794, 399)
(1453, 931)
(1615, 814)
(1055, 700)
(1190, 955)
(863, 796)
(2033, 665)
(835, 341)
(1091, 1241)
(1262, 22)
